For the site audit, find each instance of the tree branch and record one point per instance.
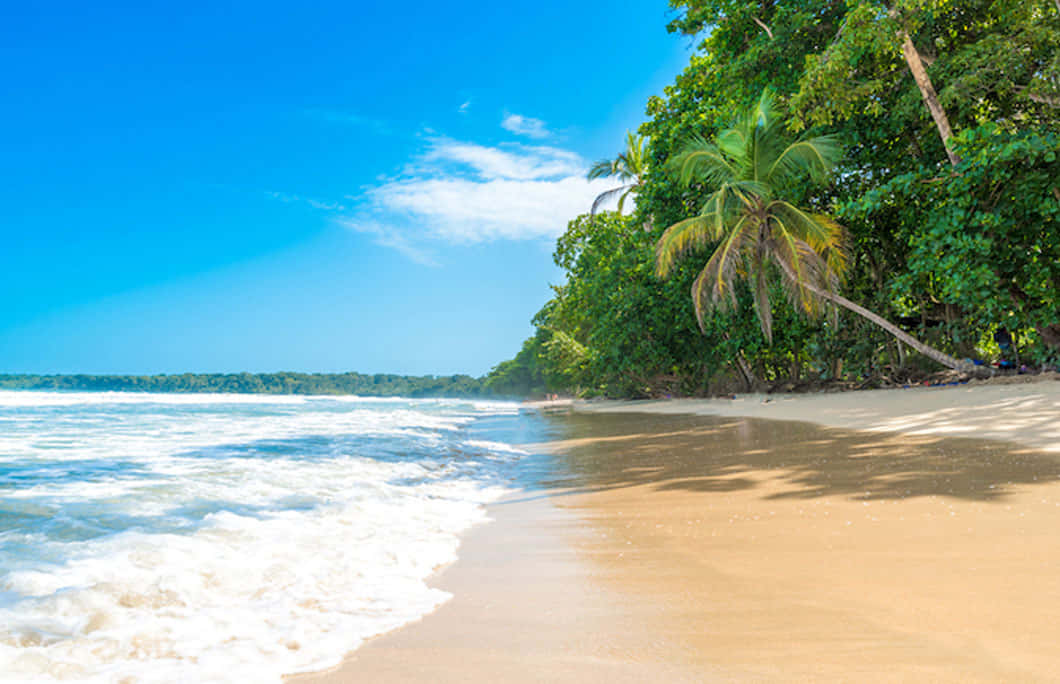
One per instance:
(1051, 101)
(927, 91)
(770, 33)
(1041, 99)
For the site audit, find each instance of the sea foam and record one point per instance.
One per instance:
(165, 538)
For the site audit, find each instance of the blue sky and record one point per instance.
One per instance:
(317, 186)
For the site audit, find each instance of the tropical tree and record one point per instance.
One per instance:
(749, 168)
(628, 167)
(994, 60)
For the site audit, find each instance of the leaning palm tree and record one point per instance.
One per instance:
(758, 233)
(629, 167)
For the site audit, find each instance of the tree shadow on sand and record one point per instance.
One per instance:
(712, 454)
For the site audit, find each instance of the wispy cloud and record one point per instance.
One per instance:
(382, 234)
(464, 108)
(349, 118)
(525, 125)
(290, 198)
(387, 236)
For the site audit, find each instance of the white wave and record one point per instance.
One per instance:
(73, 398)
(245, 553)
(46, 398)
(496, 447)
(260, 597)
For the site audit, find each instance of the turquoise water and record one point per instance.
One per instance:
(229, 537)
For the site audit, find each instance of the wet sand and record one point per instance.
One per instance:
(694, 548)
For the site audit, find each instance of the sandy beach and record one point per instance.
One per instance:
(763, 539)
(1020, 409)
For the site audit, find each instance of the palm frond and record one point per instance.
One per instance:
(830, 243)
(801, 265)
(630, 163)
(623, 170)
(680, 238)
(715, 284)
(819, 231)
(758, 189)
(762, 303)
(636, 153)
(722, 207)
(629, 190)
(702, 161)
(767, 121)
(764, 111)
(606, 196)
(815, 157)
(629, 166)
(732, 142)
(601, 169)
(743, 193)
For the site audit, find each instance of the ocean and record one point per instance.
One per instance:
(225, 538)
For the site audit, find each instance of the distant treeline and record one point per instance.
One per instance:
(379, 385)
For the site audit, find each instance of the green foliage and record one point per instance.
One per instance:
(614, 328)
(983, 241)
(522, 376)
(736, 61)
(990, 60)
(951, 253)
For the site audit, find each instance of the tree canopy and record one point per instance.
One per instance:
(948, 188)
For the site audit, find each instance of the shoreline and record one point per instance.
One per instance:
(732, 548)
(526, 607)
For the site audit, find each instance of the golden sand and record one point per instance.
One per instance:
(691, 548)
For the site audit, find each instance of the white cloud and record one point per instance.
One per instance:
(464, 193)
(525, 125)
(466, 210)
(507, 161)
(463, 109)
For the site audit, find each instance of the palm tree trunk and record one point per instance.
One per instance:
(930, 352)
(927, 91)
(749, 377)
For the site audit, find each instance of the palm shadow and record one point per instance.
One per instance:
(712, 454)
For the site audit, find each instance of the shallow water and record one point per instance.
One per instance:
(230, 537)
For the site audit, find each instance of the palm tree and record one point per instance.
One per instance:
(629, 167)
(748, 167)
